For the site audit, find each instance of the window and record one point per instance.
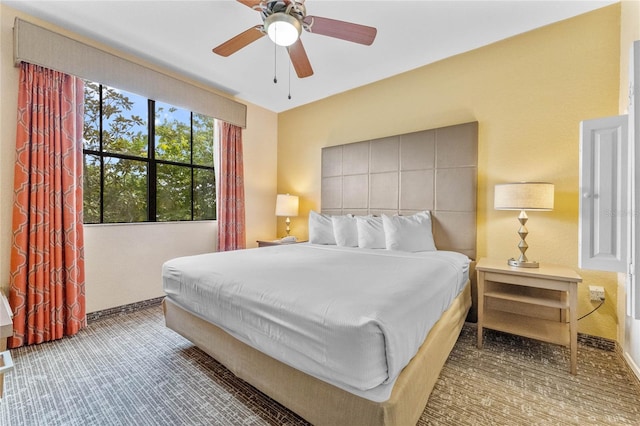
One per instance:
(138, 169)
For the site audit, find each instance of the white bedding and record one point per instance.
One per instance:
(352, 317)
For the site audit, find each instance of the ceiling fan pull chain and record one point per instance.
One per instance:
(289, 80)
(275, 63)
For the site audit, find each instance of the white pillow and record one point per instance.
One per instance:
(370, 232)
(409, 233)
(345, 230)
(320, 229)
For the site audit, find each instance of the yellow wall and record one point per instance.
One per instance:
(528, 93)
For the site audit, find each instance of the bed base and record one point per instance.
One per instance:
(316, 401)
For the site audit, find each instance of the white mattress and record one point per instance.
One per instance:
(349, 316)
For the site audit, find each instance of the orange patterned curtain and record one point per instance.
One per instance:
(231, 232)
(47, 292)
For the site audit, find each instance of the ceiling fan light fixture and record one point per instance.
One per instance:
(283, 29)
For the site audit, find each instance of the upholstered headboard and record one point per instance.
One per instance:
(432, 170)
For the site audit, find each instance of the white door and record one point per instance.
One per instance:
(604, 182)
(633, 283)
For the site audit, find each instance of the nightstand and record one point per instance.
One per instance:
(538, 303)
(262, 243)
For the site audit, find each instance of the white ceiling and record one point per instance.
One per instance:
(179, 35)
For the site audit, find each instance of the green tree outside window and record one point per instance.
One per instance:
(123, 182)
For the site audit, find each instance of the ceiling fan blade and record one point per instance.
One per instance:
(300, 60)
(340, 29)
(238, 42)
(250, 3)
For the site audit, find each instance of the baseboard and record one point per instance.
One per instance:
(630, 363)
(597, 342)
(124, 309)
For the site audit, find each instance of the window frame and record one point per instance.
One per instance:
(152, 162)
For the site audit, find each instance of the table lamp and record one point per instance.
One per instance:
(523, 196)
(287, 205)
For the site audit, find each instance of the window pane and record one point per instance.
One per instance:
(91, 189)
(125, 190)
(204, 194)
(202, 140)
(124, 125)
(173, 193)
(117, 124)
(91, 127)
(173, 133)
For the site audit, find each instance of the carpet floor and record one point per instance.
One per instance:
(131, 370)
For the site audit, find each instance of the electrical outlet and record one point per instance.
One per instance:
(596, 293)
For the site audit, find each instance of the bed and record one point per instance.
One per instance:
(432, 170)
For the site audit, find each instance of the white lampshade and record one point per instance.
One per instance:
(524, 196)
(283, 29)
(287, 205)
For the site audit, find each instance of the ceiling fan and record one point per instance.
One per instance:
(283, 22)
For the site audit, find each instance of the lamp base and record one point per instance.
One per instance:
(523, 264)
